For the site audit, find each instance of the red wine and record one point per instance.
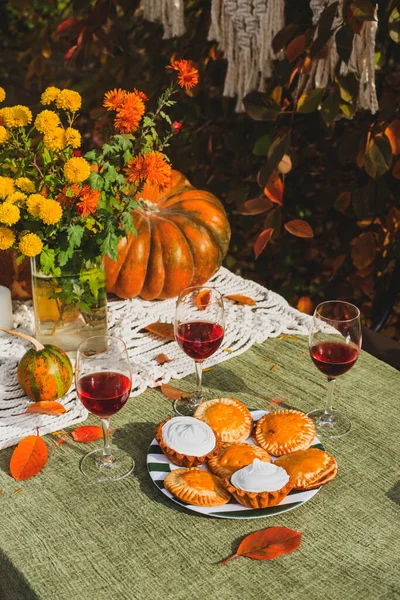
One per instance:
(334, 358)
(104, 393)
(199, 339)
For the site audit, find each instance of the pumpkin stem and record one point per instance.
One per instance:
(28, 338)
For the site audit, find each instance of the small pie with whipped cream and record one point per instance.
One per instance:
(308, 469)
(195, 486)
(230, 420)
(284, 431)
(259, 484)
(232, 457)
(186, 441)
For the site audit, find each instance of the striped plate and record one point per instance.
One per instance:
(159, 466)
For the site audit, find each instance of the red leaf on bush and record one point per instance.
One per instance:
(262, 241)
(305, 305)
(172, 393)
(164, 330)
(274, 188)
(70, 53)
(46, 407)
(255, 206)
(393, 134)
(267, 544)
(342, 202)
(241, 299)
(28, 458)
(162, 359)
(67, 24)
(295, 47)
(87, 433)
(364, 250)
(299, 228)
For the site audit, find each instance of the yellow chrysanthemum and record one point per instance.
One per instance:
(7, 238)
(9, 213)
(50, 211)
(25, 184)
(76, 169)
(54, 140)
(22, 115)
(7, 116)
(30, 244)
(69, 100)
(49, 95)
(46, 121)
(33, 204)
(3, 134)
(6, 187)
(16, 197)
(2, 94)
(72, 137)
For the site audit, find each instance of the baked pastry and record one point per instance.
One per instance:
(228, 418)
(259, 485)
(308, 469)
(195, 486)
(284, 431)
(186, 441)
(232, 457)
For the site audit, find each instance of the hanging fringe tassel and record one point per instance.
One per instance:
(244, 30)
(167, 12)
(362, 60)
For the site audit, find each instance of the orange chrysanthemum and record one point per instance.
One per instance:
(88, 201)
(68, 195)
(188, 75)
(141, 95)
(135, 169)
(114, 99)
(152, 168)
(129, 115)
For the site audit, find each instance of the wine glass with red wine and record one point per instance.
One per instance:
(335, 344)
(103, 381)
(199, 331)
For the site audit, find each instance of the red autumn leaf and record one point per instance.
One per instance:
(392, 132)
(67, 24)
(274, 188)
(267, 544)
(262, 241)
(87, 433)
(295, 47)
(70, 53)
(28, 458)
(164, 330)
(342, 202)
(299, 228)
(162, 359)
(203, 299)
(172, 393)
(241, 299)
(364, 250)
(305, 305)
(46, 407)
(255, 206)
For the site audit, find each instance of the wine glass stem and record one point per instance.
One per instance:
(199, 378)
(106, 437)
(329, 397)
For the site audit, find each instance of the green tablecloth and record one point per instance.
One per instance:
(64, 538)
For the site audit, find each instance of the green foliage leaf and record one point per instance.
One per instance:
(310, 101)
(324, 28)
(330, 108)
(127, 223)
(75, 234)
(378, 158)
(344, 42)
(283, 36)
(262, 145)
(394, 25)
(96, 181)
(363, 10)
(93, 154)
(277, 150)
(261, 107)
(47, 262)
(348, 88)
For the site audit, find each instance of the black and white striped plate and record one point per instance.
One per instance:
(159, 466)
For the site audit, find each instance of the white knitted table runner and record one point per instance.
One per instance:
(245, 325)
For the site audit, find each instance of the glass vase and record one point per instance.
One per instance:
(72, 306)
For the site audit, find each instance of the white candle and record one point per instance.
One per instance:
(6, 317)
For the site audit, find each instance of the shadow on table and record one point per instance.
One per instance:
(13, 586)
(221, 377)
(5, 457)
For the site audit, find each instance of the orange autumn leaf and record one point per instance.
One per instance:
(299, 228)
(164, 330)
(203, 299)
(262, 241)
(46, 407)
(87, 433)
(392, 132)
(267, 544)
(305, 305)
(172, 393)
(295, 47)
(342, 202)
(162, 359)
(364, 250)
(255, 206)
(246, 300)
(274, 188)
(28, 458)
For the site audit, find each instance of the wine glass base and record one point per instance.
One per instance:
(334, 425)
(98, 468)
(186, 407)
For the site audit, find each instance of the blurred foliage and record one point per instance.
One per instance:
(290, 170)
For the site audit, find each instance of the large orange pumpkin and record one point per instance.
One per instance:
(182, 237)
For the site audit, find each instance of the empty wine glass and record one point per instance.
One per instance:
(199, 330)
(334, 344)
(103, 381)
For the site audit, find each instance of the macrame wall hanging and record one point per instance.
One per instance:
(244, 30)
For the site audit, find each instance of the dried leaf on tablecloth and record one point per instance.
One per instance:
(203, 299)
(28, 458)
(239, 299)
(87, 433)
(267, 544)
(164, 330)
(172, 393)
(163, 358)
(46, 407)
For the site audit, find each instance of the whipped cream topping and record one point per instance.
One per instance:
(260, 477)
(188, 435)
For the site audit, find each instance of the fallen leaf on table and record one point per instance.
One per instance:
(203, 299)
(18, 491)
(172, 393)
(207, 369)
(28, 458)
(46, 407)
(87, 433)
(267, 544)
(164, 330)
(246, 300)
(273, 367)
(61, 439)
(228, 350)
(163, 358)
